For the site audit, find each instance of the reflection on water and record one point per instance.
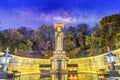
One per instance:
(30, 77)
(69, 77)
(87, 77)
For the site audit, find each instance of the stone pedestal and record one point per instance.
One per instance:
(59, 62)
(4, 67)
(114, 74)
(59, 77)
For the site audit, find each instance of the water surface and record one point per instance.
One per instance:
(70, 77)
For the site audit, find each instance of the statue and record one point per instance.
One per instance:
(59, 38)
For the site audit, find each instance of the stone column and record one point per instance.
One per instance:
(63, 77)
(59, 64)
(66, 77)
(55, 64)
(53, 77)
(63, 64)
(66, 62)
(51, 62)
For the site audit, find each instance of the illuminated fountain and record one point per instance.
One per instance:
(59, 59)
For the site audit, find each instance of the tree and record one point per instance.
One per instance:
(82, 40)
(118, 40)
(93, 41)
(26, 32)
(83, 28)
(13, 34)
(72, 29)
(69, 45)
(13, 37)
(43, 36)
(69, 35)
(22, 47)
(29, 44)
(94, 44)
(2, 38)
(110, 27)
(83, 47)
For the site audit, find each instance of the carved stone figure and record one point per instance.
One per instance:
(58, 39)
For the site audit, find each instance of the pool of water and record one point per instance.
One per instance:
(66, 77)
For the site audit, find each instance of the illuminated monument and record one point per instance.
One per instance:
(59, 59)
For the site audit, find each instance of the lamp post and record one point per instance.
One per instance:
(111, 61)
(5, 60)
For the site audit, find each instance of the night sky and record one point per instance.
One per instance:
(34, 13)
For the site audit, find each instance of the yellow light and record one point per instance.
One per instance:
(74, 69)
(75, 77)
(58, 25)
(71, 77)
(101, 76)
(70, 68)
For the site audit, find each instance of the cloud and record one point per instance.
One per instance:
(19, 17)
(64, 20)
(35, 18)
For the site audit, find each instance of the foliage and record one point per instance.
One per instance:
(110, 27)
(22, 47)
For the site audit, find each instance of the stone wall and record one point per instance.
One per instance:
(26, 64)
(95, 63)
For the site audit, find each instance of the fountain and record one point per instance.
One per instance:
(59, 59)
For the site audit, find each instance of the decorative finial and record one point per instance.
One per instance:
(7, 50)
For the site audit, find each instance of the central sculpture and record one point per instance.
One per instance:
(59, 59)
(58, 38)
